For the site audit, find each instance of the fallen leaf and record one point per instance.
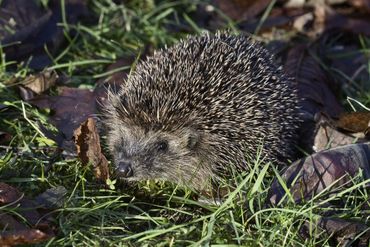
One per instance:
(14, 231)
(301, 22)
(70, 108)
(26, 29)
(314, 86)
(354, 122)
(52, 198)
(8, 223)
(8, 194)
(26, 236)
(343, 231)
(329, 135)
(330, 168)
(325, 18)
(315, 90)
(33, 85)
(88, 149)
(16, 15)
(40, 82)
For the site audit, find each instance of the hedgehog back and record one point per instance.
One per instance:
(227, 87)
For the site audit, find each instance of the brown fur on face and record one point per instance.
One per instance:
(184, 160)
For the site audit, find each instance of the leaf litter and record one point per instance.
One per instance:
(32, 223)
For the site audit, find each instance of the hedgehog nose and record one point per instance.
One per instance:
(124, 169)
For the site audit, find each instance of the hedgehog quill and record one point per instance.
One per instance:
(192, 111)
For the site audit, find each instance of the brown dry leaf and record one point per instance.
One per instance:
(295, 4)
(344, 232)
(328, 136)
(9, 194)
(312, 23)
(26, 236)
(88, 149)
(242, 9)
(354, 122)
(70, 108)
(336, 167)
(34, 85)
(52, 198)
(16, 15)
(40, 82)
(301, 22)
(325, 18)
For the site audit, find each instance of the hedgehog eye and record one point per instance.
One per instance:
(162, 146)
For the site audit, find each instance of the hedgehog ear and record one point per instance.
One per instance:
(193, 139)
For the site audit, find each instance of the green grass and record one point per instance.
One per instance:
(150, 213)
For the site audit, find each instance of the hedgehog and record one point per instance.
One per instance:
(193, 112)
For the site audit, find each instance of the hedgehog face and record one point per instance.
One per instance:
(154, 154)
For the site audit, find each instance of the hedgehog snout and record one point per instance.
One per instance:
(124, 169)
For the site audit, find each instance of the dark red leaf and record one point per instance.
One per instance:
(344, 232)
(71, 107)
(315, 90)
(8, 194)
(315, 173)
(329, 135)
(33, 28)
